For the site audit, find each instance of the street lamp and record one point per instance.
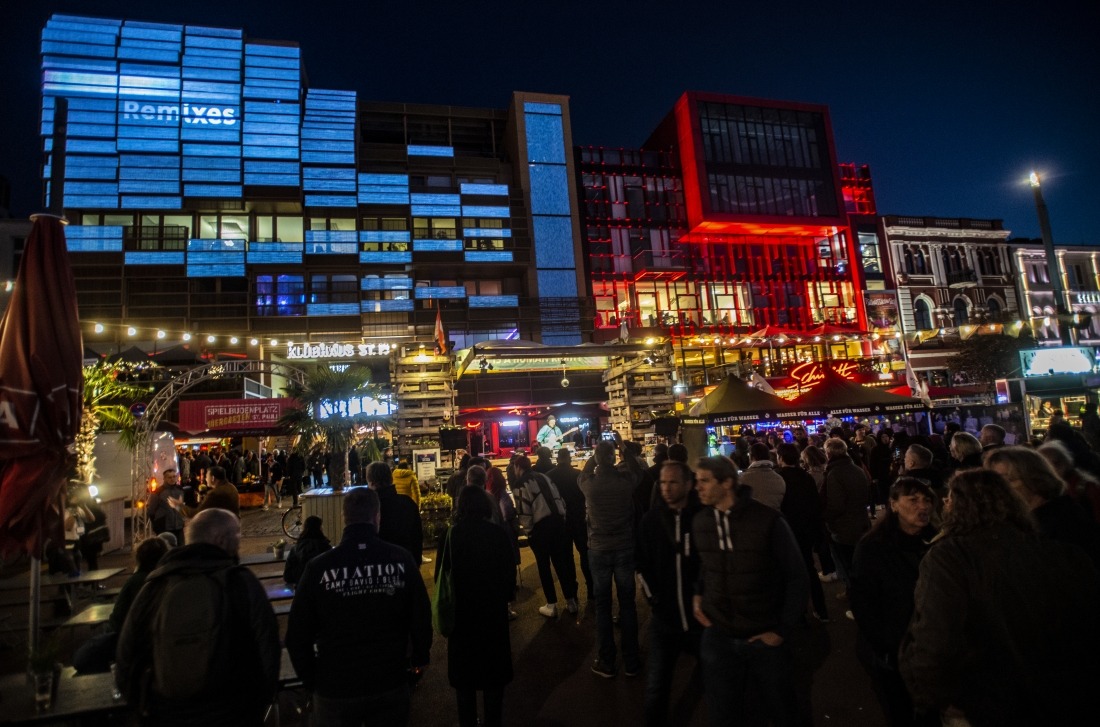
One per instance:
(1065, 330)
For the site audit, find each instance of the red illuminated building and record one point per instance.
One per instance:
(731, 232)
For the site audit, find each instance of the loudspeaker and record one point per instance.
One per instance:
(666, 426)
(451, 439)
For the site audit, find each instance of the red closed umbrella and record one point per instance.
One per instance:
(41, 357)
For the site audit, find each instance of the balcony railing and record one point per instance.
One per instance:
(961, 278)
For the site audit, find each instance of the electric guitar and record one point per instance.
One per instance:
(553, 441)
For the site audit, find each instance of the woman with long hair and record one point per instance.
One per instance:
(1080, 485)
(479, 650)
(1058, 516)
(1005, 623)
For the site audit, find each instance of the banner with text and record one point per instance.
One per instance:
(218, 415)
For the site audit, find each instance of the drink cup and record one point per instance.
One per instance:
(43, 692)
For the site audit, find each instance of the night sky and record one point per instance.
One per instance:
(951, 103)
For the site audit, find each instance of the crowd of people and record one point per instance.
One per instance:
(969, 567)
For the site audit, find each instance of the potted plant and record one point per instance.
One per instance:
(279, 548)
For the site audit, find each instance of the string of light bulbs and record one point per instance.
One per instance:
(142, 333)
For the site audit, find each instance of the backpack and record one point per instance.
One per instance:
(191, 634)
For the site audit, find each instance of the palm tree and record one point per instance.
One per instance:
(105, 407)
(329, 412)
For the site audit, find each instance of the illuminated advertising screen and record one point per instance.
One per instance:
(155, 113)
(1061, 360)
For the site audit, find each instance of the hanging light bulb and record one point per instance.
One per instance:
(161, 335)
(274, 341)
(99, 328)
(186, 336)
(210, 339)
(131, 331)
(234, 340)
(254, 342)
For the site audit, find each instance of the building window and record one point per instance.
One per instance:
(1078, 278)
(223, 227)
(333, 289)
(385, 223)
(995, 310)
(960, 312)
(868, 252)
(332, 223)
(1037, 273)
(434, 228)
(280, 295)
(922, 315)
(278, 229)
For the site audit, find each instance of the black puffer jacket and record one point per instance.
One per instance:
(752, 577)
(668, 562)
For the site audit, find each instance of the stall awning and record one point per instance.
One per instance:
(829, 393)
(734, 402)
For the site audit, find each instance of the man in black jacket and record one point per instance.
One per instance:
(752, 590)
(884, 575)
(358, 611)
(668, 566)
(401, 523)
(240, 685)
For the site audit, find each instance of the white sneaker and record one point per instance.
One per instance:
(550, 610)
(828, 577)
(572, 605)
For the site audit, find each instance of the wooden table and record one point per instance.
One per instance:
(64, 581)
(93, 615)
(260, 558)
(77, 697)
(59, 579)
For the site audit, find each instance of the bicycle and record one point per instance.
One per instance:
(292, 522)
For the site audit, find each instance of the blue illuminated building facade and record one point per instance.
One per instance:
(210, 189)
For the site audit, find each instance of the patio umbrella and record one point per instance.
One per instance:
(40, 396)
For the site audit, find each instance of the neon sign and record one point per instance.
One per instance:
(190, 113)
(811, 374)
(337, 350)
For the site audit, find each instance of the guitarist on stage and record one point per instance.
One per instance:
(550, 435)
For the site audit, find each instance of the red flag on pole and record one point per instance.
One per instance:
(440, 336)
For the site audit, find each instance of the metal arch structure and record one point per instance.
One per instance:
(158, 408)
